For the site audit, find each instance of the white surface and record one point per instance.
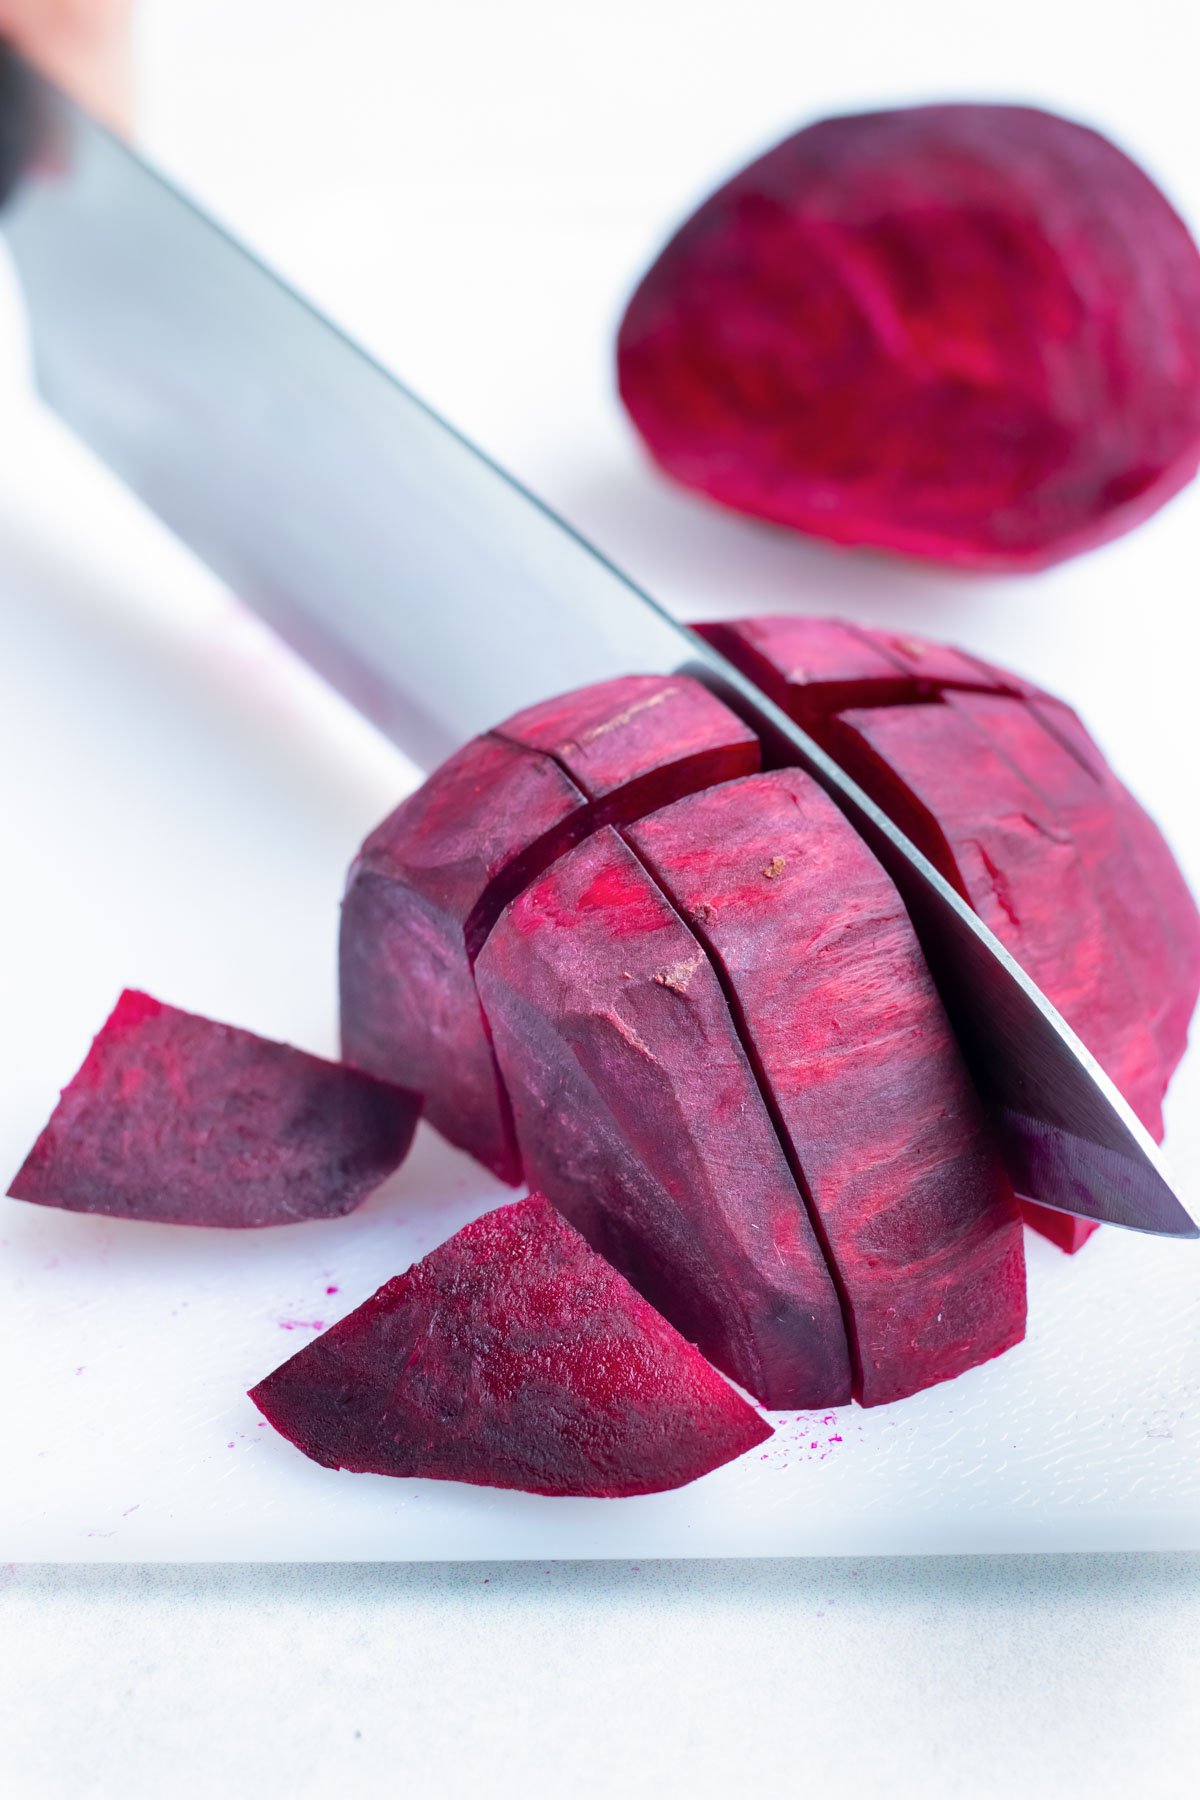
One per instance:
(981, 1680)
(185, 798)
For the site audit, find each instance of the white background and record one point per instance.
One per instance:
(472, 188)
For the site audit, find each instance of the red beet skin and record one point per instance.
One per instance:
(638, 1113)
(1117, 948)
(182, 1121)
(969, 333)
(431, 881)
(862, 1070)
(512, 1356)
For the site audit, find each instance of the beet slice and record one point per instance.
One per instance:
(512, 1356)
(429, 883)
(419, 892)
(1080, 803)
(639, 1115)
(815, 668)
(890, 1141)
(183, 1121)
(992, 836)
(963, 332)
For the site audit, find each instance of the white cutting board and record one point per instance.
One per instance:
(180, 797)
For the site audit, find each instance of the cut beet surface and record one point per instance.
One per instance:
(179, 1120)
(431, 881)
(638, 1113)
(862, 1070)
(1139, 901)
(992, 836)
(815, 668)
(963, 332)
(512, 1356)
(1081, 805)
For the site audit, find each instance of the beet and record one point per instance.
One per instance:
(965, 332)
(1081, 805)
(815, 668)
(430, 882)
(990, 834)
(639, 1115)
(863, 1073)
(1136, 916)
(512, 1356)
(180, 1120)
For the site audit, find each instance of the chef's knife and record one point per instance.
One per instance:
(426, 584)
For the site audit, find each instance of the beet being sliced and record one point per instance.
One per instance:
(988, 831)
(864, 1075)
(963, 332)
(183, 1121)
(1145, 931)
(512, 1356)
(430, 882)
(639, 1115)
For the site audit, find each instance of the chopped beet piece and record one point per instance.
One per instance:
(965, 332)
(1082, 806)
(863, 1073)
(429, 884)
(409, 1008)
(646, 738)
(177, 1119)
(512, 1356)
(638, 1113)
(810, 668)
(993, 837)
(815, 667)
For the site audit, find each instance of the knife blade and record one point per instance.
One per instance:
(427, 585)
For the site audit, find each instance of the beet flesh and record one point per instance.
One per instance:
(639, 1115)
(512, 1356)
(183, 1121)
(963, 332)
(890, 1142)
(995, 735)
(988, 831)
(429, 883)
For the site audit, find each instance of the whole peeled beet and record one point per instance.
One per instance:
(969, 333)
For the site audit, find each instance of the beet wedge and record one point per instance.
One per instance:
(179, 1120)
(817, 668)
(429, 883)
(1081, 805)
(994, 838)
(638, 1114)
(512, 1356)
(888, 1138)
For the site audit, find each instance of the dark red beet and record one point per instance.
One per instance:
(967, 332)
(816, 667)
(989, 832)
(911, 1201)
(409, 1008)
(1080, 804)
(638, 1113)
(430, 882)
(176, 1119)
(512, 1356)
